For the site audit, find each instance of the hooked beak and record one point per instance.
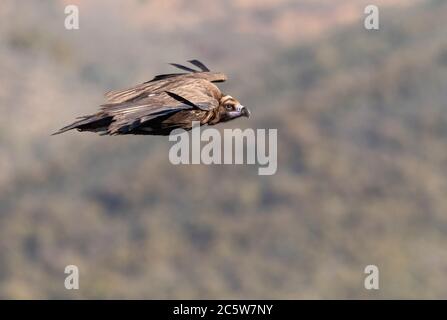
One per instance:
(245, 112)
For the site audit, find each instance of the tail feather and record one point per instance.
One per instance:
(66, 128)
(89, 123)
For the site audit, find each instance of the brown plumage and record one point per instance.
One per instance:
(165, 103)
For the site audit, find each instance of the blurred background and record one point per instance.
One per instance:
(362, 159)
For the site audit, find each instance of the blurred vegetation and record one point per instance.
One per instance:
(361, 118)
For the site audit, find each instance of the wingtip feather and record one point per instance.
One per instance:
(200, 65)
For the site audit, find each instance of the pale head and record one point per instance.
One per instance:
(230, 108)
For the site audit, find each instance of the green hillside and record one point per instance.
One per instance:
(361, 119)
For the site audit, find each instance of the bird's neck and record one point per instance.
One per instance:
(212, 117)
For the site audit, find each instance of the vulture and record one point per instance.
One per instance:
(165, 103)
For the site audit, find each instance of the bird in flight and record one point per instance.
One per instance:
(165, 103)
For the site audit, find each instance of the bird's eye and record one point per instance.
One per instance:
(229, 107)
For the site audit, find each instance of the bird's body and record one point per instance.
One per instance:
(165, 103)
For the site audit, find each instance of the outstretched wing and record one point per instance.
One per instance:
(130, 115)
(165, 82)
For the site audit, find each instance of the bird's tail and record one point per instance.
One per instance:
(86, 123)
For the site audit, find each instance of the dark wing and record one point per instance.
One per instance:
(121, 118)
(164, 82)
(130, 115)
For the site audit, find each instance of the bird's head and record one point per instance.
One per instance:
(230, 108)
